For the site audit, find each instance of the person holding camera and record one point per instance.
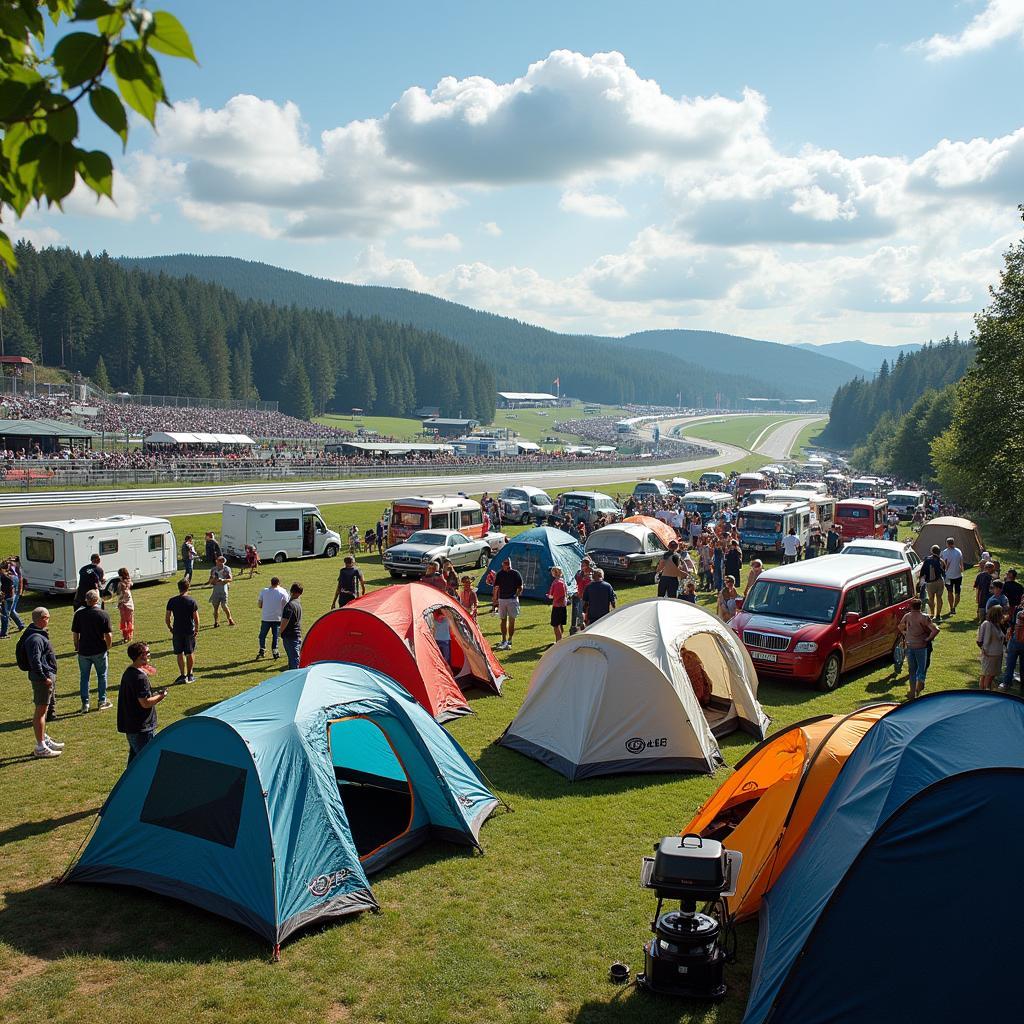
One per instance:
(137, 701)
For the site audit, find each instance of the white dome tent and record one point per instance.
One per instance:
(617, 698)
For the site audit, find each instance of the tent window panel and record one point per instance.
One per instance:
(199, 797)
(529, 567)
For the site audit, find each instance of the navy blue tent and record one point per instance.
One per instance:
(902, 903)
(533, 553)
(272, 808)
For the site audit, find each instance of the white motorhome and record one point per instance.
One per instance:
(52, 553)
(279, 530)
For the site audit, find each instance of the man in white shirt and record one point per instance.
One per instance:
(790, 547)
(953, 563)
(272, 600)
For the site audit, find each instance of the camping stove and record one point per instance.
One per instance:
(687, 955)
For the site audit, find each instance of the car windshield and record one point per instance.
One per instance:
(426, 537)
(540, 499)
(613, 540)
(573, 501)
(861, 549)
(760, 521)
(792, 601)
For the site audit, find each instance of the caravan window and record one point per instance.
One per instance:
(199, 797)
(107, 547)
(39, 549)
(156, 542)
(440, 520)
(473, 517)
(286, 526)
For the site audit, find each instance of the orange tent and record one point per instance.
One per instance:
(391, 630)
(765, 807)
(661, 530)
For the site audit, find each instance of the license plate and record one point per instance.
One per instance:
(764, 656)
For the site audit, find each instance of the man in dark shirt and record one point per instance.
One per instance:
(136, 702)
(291, 625)
(982, 584)
(508, 586)
(41, 659)
(1012, 590)
(832, 540)
(350, 583)
(182, 619)
(90, 577)
(598, 598)
(213, 551)
(733, 560)
(92, 637)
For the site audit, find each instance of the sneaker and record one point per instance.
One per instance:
(85, 708)
(190, 678)
(45, 751)
(276, 655)
(104, 705)
(260, 654)
(180, 679)
(1003, 686)
(52, 743)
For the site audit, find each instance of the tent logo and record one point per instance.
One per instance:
(323, 884)
(636, 745)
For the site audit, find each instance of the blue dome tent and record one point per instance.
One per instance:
(271, 808)
(900, 904)
(533, 553)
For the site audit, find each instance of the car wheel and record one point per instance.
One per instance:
(279, 557)
(829, 678)
(481, 560)
(331, 551)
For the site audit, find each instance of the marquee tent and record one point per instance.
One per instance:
(390, 630)
(271, 808)
(901, 904)
(648, 688)
(964, 533)
(533, 553)
(765, 807)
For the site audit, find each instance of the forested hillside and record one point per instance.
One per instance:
(862, 354)
(136, 331)
(862, 405)
(529, 358)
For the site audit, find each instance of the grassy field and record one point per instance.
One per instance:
(739, 430)
(388, 426)
(522, 934)
(806, 440)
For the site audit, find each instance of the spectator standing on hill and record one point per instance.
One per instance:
(213, 551)
(380, 537)
(997, 597)
(931, 577)
(990, 641)
(790, 547)
(36, 656)
(350, 583)
(1012, 589)
(90, 577)
(508, 586)
(19, 589)
(717, 562)
(220, 581)
(291, 625)
(982, 588)
(558, 595)
(182, 619)
(598, 599)
(582, 580)
(918, 631)
(727, 599)
(668, 571)
(467, 597)
(136, 701)
(10, 582)
(125, 604)
(756, 568)
(953, 572)
(92, 637)
(188, 557)
(733, 560)
(271, 603)
(833, 540)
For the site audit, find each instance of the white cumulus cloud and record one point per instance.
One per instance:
(1001, 19)
(591, 204)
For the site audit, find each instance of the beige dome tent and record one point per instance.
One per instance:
(964, 533)
(645, 689)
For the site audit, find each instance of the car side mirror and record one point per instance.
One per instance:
(852, 618)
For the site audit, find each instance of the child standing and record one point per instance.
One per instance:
(126, 604)
(467, 597)
(558, 595)
(689, 592)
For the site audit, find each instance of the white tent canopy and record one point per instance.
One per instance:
(162, 437)
(616, 698)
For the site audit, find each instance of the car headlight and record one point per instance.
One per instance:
(805, 647)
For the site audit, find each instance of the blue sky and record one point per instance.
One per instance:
(797, 171)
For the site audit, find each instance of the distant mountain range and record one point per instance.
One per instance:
(651, 366)
(862, 354)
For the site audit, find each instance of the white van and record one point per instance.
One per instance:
(52, 553)
(279, 530)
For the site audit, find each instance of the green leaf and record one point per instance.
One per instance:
(169, 36)
(57, 167)
(7, 253)
(110, 110)
(90, 10)
(62, 123)
(79, 57)
(97, 172)
(138, 79)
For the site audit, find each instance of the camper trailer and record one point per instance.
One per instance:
(279, 530)
(52, 553)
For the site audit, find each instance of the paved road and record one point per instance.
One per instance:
(779, 442)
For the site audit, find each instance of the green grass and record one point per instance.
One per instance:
(522, 934)
(398, 427)
(738, 430)
(807, 439)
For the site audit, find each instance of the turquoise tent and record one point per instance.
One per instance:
(271, 808)
(533, 553)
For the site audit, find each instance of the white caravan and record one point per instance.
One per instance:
(52, 553)
(279, 530)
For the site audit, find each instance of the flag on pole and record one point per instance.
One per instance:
(557, 382)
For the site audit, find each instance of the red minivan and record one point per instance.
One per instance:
(814, 620)
(862, 517)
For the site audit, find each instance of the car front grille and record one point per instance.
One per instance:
(765, 641)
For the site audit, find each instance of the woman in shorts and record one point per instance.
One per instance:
(990, 640)
(558, 595)
(125, 604)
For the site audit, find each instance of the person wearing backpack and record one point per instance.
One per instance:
(933, 578)
(35, 656)
(1014, 648)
